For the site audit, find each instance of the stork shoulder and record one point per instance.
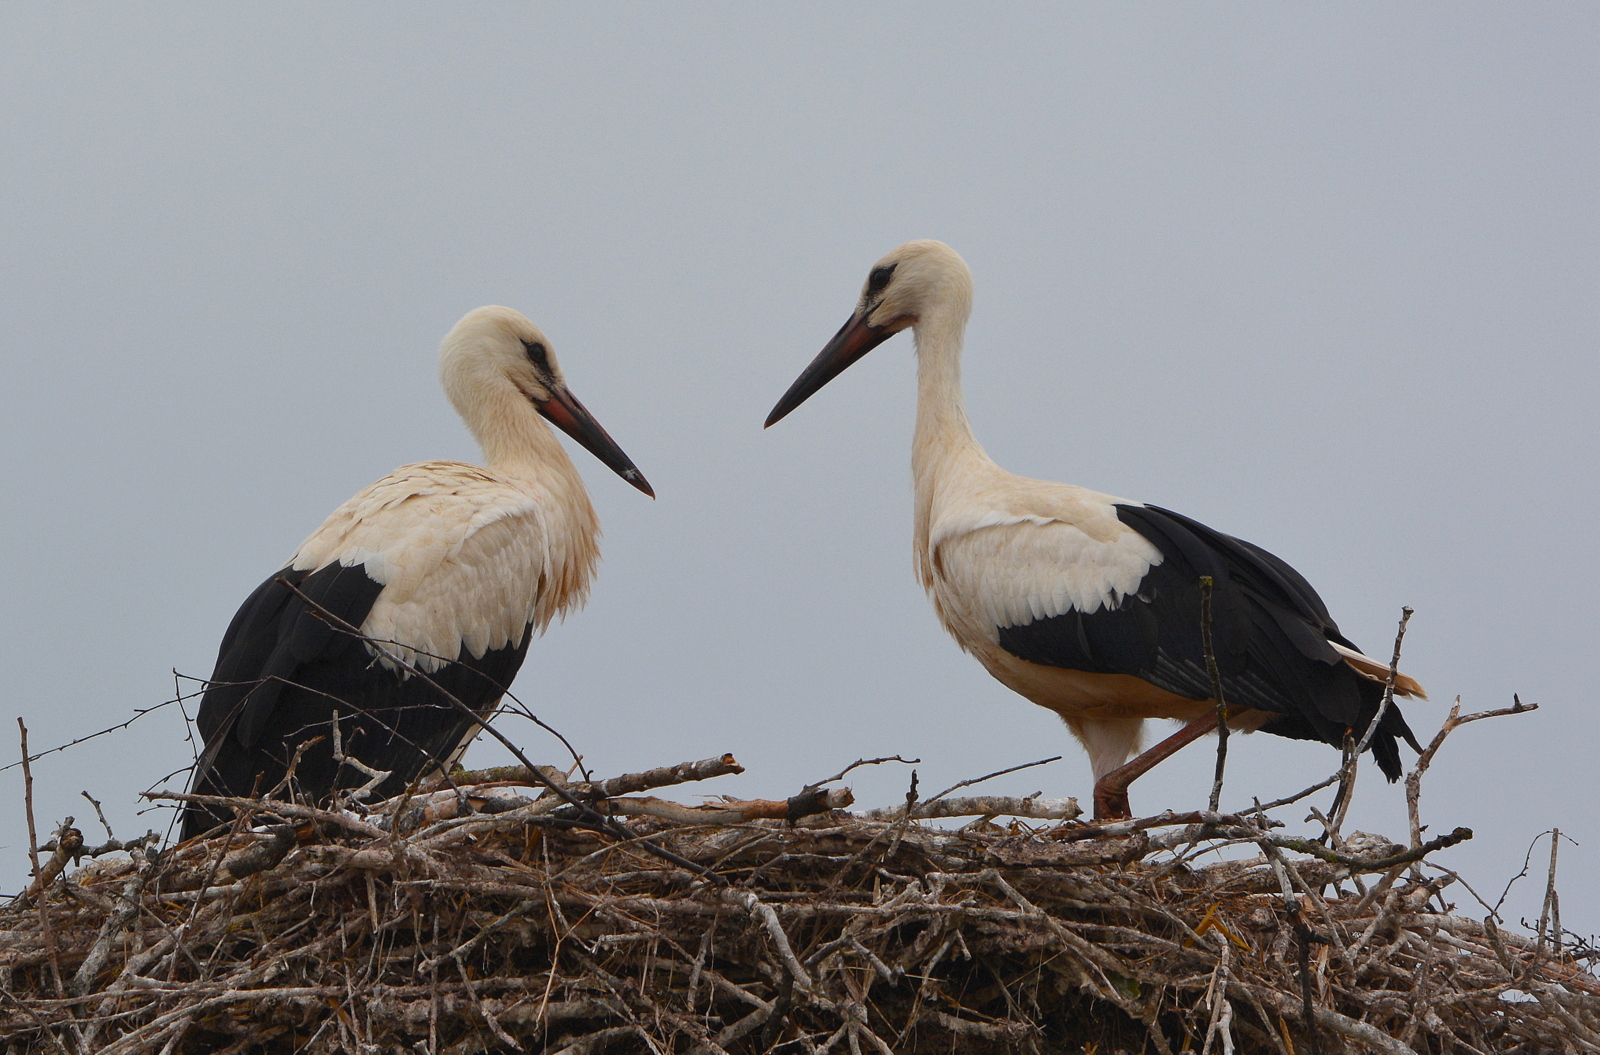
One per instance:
(413, 518)
(462, 553)
(1005, 499)
(1030, 550)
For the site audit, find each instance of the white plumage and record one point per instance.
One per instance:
(459, 551)
(446, 569)
(1086, 603)
(993, 569)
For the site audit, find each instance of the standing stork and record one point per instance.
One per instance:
(446, 570)
(1088, 604)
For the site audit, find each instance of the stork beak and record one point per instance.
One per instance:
(854, 339)
(564, 411)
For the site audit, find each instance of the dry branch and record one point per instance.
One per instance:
(1032, 807)
(66, 846)
(491, 917)
(552, 939)
(627, 784)
(732, 812)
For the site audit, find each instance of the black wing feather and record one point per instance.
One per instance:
(1270, 636)
(288, 661)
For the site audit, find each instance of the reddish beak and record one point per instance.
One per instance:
(855, 338)
(564, 411)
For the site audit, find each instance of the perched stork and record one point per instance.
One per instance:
(446, 568)
(1087, 604)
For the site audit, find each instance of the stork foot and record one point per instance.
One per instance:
(1111, 790)
(1111, 802)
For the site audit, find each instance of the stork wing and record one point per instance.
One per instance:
(1270, 581)
(460, 555)
(442, 567)
(1100, 601)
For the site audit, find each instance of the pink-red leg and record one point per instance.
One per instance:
(1111, 790)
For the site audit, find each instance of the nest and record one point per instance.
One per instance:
(490, 916)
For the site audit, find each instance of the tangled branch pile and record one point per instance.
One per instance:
(484, 918)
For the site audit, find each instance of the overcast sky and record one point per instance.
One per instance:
(1321, 276)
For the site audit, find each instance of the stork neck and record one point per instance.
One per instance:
(518, 442)
(943, 450)
(943, 433)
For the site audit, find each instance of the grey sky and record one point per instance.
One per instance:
(1322, 277)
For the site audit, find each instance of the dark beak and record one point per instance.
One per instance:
(854, 339)
(564, 411)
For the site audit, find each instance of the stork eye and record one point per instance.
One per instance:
(879, 279)
(538, 355)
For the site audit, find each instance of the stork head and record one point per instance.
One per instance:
(917, 281)
(492, 347)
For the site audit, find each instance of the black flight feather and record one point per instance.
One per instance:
(288, 661)
(1270, 636)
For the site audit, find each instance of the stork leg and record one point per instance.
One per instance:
(1111, 790)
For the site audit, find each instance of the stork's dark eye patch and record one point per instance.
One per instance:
(538, 355)
(879, 279)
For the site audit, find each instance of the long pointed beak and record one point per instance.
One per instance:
(855, 338)
(564, 411)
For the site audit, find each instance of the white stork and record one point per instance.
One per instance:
(446, 568)
(1088, 604)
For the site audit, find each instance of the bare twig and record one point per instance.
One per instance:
(864, 762)
(1451, 723)
(139, 712)
(1388, 686)
(1032, 807)
(1347, 774)
(521, 710)
(67, 845)
(100, 813)
(1297, 796)
(374, 776)
(958, 785)
(722, 813)
(665, 776)
(769, 919)
(1550, 911)
(1216, 695)
(27, 799)
(1217, 997)
(354, 825)
(40, 880)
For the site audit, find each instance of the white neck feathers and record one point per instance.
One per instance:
(943, 446)
(518, 443)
